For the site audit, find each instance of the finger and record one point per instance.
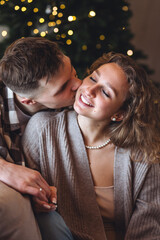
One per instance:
(35, 191)
(53, 196)
(44, 185)
(42, 205)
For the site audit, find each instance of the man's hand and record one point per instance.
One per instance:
(24, 180)
(42, 206)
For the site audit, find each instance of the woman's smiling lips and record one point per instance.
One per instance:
(85, 101)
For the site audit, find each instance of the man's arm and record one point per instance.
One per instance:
(24, 180)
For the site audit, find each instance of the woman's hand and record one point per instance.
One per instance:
(46, 206)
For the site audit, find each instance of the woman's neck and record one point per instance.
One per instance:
(94, 132)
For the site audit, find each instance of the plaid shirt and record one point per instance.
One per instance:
(10, 130)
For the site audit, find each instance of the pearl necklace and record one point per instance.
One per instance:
(100, 146)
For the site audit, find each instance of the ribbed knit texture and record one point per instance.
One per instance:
(53, 144)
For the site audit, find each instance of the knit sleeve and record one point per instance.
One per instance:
(30, 142)
(145, 219)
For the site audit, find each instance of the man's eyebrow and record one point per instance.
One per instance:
(108, 84)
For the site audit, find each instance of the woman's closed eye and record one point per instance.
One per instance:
(92, 79)
(106, 94)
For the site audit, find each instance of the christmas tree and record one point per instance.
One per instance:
(85, 29)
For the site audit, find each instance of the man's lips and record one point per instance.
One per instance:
(85, 100)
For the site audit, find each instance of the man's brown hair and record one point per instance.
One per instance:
(28, 60)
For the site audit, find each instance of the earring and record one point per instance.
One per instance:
(114, 119)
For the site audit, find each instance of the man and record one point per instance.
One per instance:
(41, 77)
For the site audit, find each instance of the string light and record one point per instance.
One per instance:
(60, 15)
(29, 1)
(58, 22)
(70, 32)
(4, 33)
(23, 9)
(51, 24)
(56, 30)
(55, 8)
(29, 24)
(41, 20)
(16, 8)
(35, 10)
(84, 47)
(125, 8)
(62, 6)
(129, 52)
(54, 13)
(36, 31)
(71, 18)
(69, 42)
(43, 34)
(91, 14)
(101, 37)
(2, 2)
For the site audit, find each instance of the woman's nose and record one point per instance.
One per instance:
(91, 91)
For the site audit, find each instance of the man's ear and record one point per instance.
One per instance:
(117, 117)
(27, 101)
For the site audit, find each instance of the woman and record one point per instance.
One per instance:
(104, 158)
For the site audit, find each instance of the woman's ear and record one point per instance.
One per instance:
(117, 117)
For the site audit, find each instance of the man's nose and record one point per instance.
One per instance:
(77, 83)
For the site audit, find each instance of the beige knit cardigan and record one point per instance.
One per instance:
(53, 145)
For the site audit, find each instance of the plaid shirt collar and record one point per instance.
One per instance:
(9, 114)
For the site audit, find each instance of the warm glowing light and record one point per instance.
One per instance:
(35, 10)
(84, 47)
(16, 8)
(98, 45)
(29, 1)
(29, 23)
(60, 15)
(71, 18)
(2, 2)
(55, 8)
(51, 24)
(58, 21)
(35, 31)
(23, 9)
(92, 14)
(63, 35)
(125, 8)
(69, 42)
(129, 52)
(62, 6)
(54, 13)
(102, 37)
(56, 30)
(70, 32)
(4, 33)
(43, 34)
(22, 0)
(41, 20)
(123, 28)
